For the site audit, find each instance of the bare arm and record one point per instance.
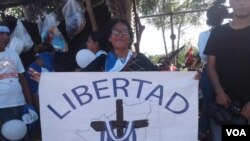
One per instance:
(221, 97)
(25, 88)
(246, 110)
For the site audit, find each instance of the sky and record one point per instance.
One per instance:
(152, 40)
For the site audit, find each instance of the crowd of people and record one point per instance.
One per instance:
(19, 88)
(224, 50)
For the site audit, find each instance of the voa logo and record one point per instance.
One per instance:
(236, 132)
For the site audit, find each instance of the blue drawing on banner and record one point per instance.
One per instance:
(125, 130)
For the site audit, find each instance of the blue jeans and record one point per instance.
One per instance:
(7, 114)
(208, 98)
(215, 131)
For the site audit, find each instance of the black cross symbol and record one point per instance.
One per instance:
(119, 124)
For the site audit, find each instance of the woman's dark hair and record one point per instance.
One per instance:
(98, 36)
(216, 14)
(126, 23)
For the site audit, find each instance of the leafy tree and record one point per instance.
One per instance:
(175, 8)
(14, 11)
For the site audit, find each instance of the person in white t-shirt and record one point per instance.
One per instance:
(14, 90)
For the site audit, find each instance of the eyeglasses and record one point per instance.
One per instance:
(120, 32)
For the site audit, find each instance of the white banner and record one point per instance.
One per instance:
(119, 106)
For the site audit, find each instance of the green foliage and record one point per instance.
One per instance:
(155, 58)
(15, 12)
(154, 7)
(147, 7)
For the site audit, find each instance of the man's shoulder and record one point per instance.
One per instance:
(221, 28)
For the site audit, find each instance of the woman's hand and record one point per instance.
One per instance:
(35, 75)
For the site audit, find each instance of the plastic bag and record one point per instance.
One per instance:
(74, 17)
(58, 41)
(49, 22)
(16, 44)
(29, 114)
(39, 23)
(20, 40)
(51, 34)
(30, 117)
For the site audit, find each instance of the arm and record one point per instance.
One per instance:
(25, 88)
(246, 110)
(220, 96)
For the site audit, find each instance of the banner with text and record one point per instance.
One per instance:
(119, 106)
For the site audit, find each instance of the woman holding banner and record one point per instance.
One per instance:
(121, 57)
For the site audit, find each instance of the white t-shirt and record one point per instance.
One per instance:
(202, 42)
(11, 94)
